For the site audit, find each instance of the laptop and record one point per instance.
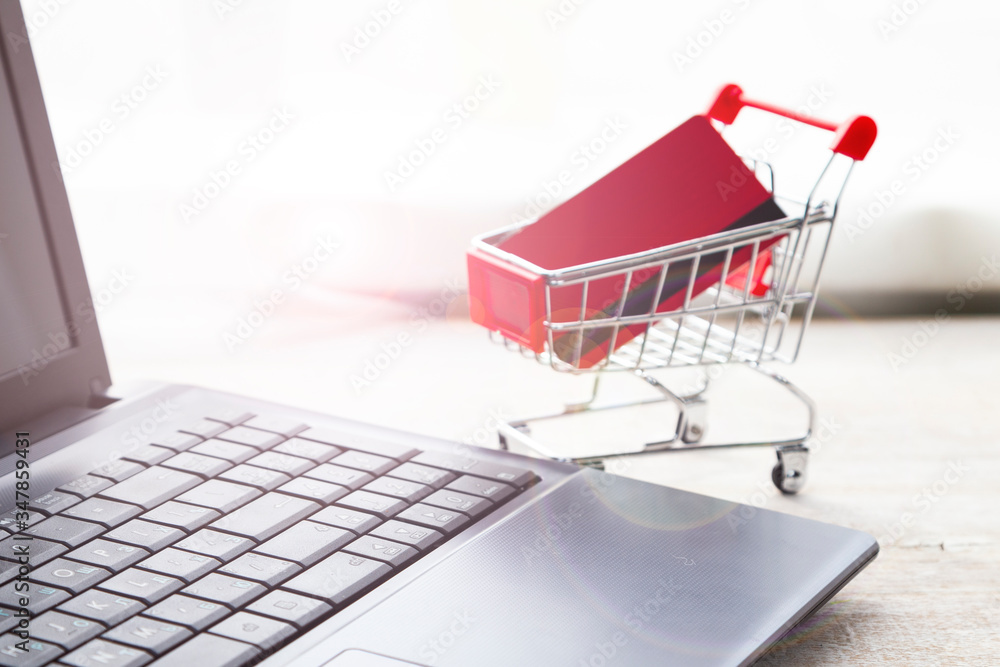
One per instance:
(173, 525)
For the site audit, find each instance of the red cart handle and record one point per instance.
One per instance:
(853, 139)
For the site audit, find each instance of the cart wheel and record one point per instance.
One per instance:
(696, 424)
(503, 442)
(789, 473)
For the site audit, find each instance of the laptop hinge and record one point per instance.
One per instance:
(100, 396)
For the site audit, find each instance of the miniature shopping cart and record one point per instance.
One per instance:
(755, 312)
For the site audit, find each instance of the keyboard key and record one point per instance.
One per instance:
(16, 520)
(148, 587)
(105, 512)
(85, 486)
(313, 489)
(405, 490)
(230, 416)
(204, 428)
(306, 542)
(226, 590)
(461, 502)
(290, 607)
(66, 574)
(108, 608)
(339, 577)
(261, 478)
(148, 535)
(382, 506)
(254, 629)
(39, 551)
(446, 521)
(251, 437)
(221, 546)
(190, 612)
(206, 466)
(7, 619)
(375, 465)
(393, 553)
(181, 515)
(38, 653)
(54, 502)
(70, 532)
(219, 494)
(495, 491)
(266, 570)
(221, 449)
(149, 455)
(286, 463)
(101, 653)
(281, 425)
(210, 650)
(416, 536)
(179, 442)
(462, 465)
(67, 631)
(148, 634)
(109, 555)
(266, 516)
(361, 443)
(152, 486)
(180, 564)
(118, 470)
(352, 479)
(40, 598)
(414, 472)
(341, 517)
(307, 449)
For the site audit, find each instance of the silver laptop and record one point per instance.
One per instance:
(172, 525)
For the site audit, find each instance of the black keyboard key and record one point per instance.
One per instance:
(204, 428)
(414, 472)
(40, 598)
(148, 587)
(148, 535)
(190, 612)
(210, 650)
(306, 542)
(230, 416)
(108, 513)
(149, 455)
(266, 516)
(307, 449)
(289, 607)
(250, 437)
(102, 653)
(179, 442)
(339, 577)
(54, 502)
(360, 443)
(38, 551)
(464, 465)
(197, 464)
(221, 546)
(97, 605)
(352, 479)
(85, 486)
(477, 486)
(370, 463)
(181, 515)
(341, 517)
(118, 470)
(313, 489)
(221, 449)
(416, 536)
(373, 503)
(148, 634)
(66, 574)
(38, 653)
(179, 564)
(286, 463)
(254, 629)
(70, 532)
(67, 631)
(219, 494)
(446, 521)
(107, 554)
(152, 487)
(465, 503)
(226, 590)
(261, 478)
(281, 425)
(393, 553)
(407, 491)
(264, 569)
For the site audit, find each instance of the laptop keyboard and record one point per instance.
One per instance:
(219, 543)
